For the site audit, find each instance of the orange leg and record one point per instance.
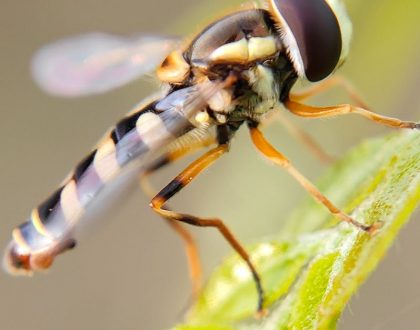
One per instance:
(178, 152)
(306, 139)
(191, 248)
(183, 179)
(279, 159)
(308, 111)
(333, 81)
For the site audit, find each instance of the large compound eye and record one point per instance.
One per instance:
(311, 33)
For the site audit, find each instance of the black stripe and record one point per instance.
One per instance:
(57, 224)
(113, 136)
(171, 189)
(130, 147)
(83, 165)
(32, 237)
(126, 125)
(46, 207)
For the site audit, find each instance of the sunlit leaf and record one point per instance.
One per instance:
(316, 264)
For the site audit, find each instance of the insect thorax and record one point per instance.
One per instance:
(247, 45)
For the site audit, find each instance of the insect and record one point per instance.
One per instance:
(238, 70)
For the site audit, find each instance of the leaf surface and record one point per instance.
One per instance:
(310, 270)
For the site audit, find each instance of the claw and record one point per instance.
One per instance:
(374, 228)
(261, 313)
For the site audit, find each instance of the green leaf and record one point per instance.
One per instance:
(315, 264)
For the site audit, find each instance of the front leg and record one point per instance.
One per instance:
(309, 111)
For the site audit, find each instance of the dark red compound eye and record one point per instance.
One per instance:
(316, 31)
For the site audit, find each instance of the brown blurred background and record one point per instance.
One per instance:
(132, 274)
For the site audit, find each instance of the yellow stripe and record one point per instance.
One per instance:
(151, 129)
(39, 226)
(69, 201)
(20, 240)
(105, 162)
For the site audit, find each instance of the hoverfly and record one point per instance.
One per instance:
(238, 70)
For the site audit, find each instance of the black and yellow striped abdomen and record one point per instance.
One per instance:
(50, 228)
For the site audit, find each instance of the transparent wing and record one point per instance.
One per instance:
(97, 62)
(176, 110)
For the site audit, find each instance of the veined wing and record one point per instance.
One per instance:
(101, 176)
(97, 62)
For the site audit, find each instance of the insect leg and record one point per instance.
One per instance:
(309, 111)
(306, 139)
(184, 178)
(279, 159)
(191, 249)
(333, 81)
(178, 152)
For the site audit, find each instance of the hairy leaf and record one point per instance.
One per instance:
(311, 269)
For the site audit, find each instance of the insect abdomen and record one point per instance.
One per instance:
(50, 228)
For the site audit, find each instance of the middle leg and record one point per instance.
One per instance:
(305, 138)
(279, 159)
(191, 249)
(324, 85)
(183, 179)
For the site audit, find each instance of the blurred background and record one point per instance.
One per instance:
(132, 273)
